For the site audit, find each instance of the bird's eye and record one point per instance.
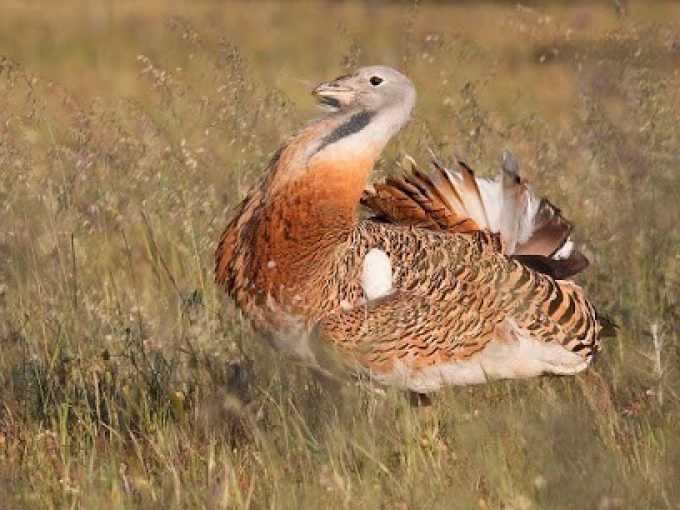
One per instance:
(376, 80)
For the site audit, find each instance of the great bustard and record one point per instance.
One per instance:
(455, 280)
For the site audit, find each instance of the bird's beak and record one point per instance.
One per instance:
(333, 94)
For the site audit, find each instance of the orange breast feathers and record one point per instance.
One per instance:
(306, 219)
(294, 230)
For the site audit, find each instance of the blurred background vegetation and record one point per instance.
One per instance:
(128, 132)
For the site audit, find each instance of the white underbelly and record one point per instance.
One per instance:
(514, 355)
(500, 359)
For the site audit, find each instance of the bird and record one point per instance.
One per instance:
(450, 279)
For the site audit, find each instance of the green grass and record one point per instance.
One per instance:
(128, 132)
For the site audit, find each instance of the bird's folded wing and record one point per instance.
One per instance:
(409, 328)
(414, 342)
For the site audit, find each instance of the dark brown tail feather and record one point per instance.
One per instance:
(559, 269)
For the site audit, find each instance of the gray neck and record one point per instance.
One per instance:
(360, 131)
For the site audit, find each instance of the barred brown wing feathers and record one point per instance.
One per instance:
(575, 318)
(413, 199)
(406, 326)
(438, 182)
(552, 311)
(393, 204)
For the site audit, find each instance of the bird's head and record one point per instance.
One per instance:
(372, 88)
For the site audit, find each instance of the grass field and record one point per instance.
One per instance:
(129, 130)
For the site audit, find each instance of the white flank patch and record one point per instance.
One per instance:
(376, 278)
(519, 356)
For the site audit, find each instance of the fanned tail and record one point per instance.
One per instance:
(532, 230)
(417, 198)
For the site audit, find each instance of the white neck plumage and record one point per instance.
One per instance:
(362, 133)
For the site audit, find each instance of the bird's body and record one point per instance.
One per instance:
(465, 303)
